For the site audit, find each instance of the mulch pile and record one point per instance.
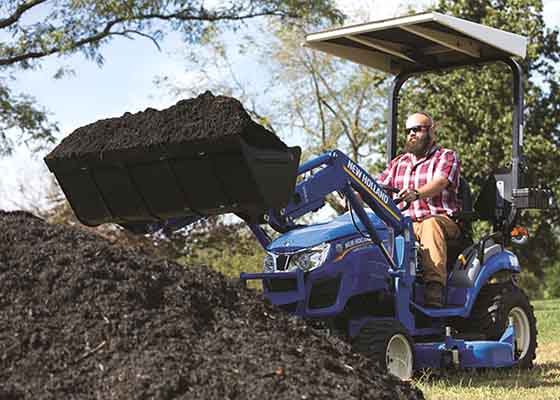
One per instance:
(81, 318)
(206, 120)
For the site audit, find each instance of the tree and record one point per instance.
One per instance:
(209, 242)
(474, 111)
(329, 102)
(332, 104)
(335, 104)
(31, 30)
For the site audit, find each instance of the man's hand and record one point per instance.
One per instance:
(430, 189)
(409, 195)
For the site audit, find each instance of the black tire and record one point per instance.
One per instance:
(379, 339)
(490, 318)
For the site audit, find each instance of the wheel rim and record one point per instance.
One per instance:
(399, 357)
(522, 330)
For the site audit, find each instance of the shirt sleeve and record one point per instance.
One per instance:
(449, 167)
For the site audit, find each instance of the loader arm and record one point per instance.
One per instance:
(335, 172)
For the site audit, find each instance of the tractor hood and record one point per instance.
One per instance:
(313, 235)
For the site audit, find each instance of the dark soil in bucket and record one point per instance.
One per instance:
(83, 319)
(206, 122)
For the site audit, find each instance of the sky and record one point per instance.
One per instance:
(126, 84)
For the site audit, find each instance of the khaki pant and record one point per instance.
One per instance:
(433, 233)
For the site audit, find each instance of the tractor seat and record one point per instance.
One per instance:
(464, 274)
(464, 219)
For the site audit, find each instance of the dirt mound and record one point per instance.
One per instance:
(80, 318)
(206, 119)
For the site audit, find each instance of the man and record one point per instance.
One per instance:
(428, 178)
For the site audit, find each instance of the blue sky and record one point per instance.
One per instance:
(124, 83)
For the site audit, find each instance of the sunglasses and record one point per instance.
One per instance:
(417, 128)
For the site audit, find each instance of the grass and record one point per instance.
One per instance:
(540, 383)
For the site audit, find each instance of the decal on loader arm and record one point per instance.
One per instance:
(337, 173)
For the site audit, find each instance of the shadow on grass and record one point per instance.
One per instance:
(546, 374)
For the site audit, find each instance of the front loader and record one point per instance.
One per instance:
(360, 274)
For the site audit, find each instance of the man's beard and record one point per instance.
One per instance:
(418, 147)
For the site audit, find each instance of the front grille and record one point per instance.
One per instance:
(281, 285)
(281, 262)
(324, 293)
(275, 262)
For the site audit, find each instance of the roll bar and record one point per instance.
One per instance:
(518, 105)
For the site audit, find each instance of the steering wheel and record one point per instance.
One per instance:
(390, 189)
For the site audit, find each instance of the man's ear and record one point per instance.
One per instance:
(433, 132)
(433, 128)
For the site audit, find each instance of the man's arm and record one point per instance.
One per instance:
(447, 173)
(430, 189)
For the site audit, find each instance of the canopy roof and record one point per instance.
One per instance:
(417, 42)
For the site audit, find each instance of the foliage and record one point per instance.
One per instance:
(224, 246)
(31, 30)
(552, 281)
(330, 102)
(531, 284)
(473, 109)
(20, 115)
(335, 104)
(338, 105)
(220, 64)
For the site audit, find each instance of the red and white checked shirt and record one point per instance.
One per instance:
(405, 171)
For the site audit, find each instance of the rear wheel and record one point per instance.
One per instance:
(388, 343)
(495, 305)
(523, 334)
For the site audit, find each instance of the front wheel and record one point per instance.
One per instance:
(388, 343)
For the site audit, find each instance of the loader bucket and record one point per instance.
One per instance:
(246, 172)
(148, 188)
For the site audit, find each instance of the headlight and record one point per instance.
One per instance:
(268, 263)
(309, 259)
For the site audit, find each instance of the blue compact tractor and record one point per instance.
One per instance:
(360, 274)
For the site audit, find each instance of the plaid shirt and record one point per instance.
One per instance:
(407, 171)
